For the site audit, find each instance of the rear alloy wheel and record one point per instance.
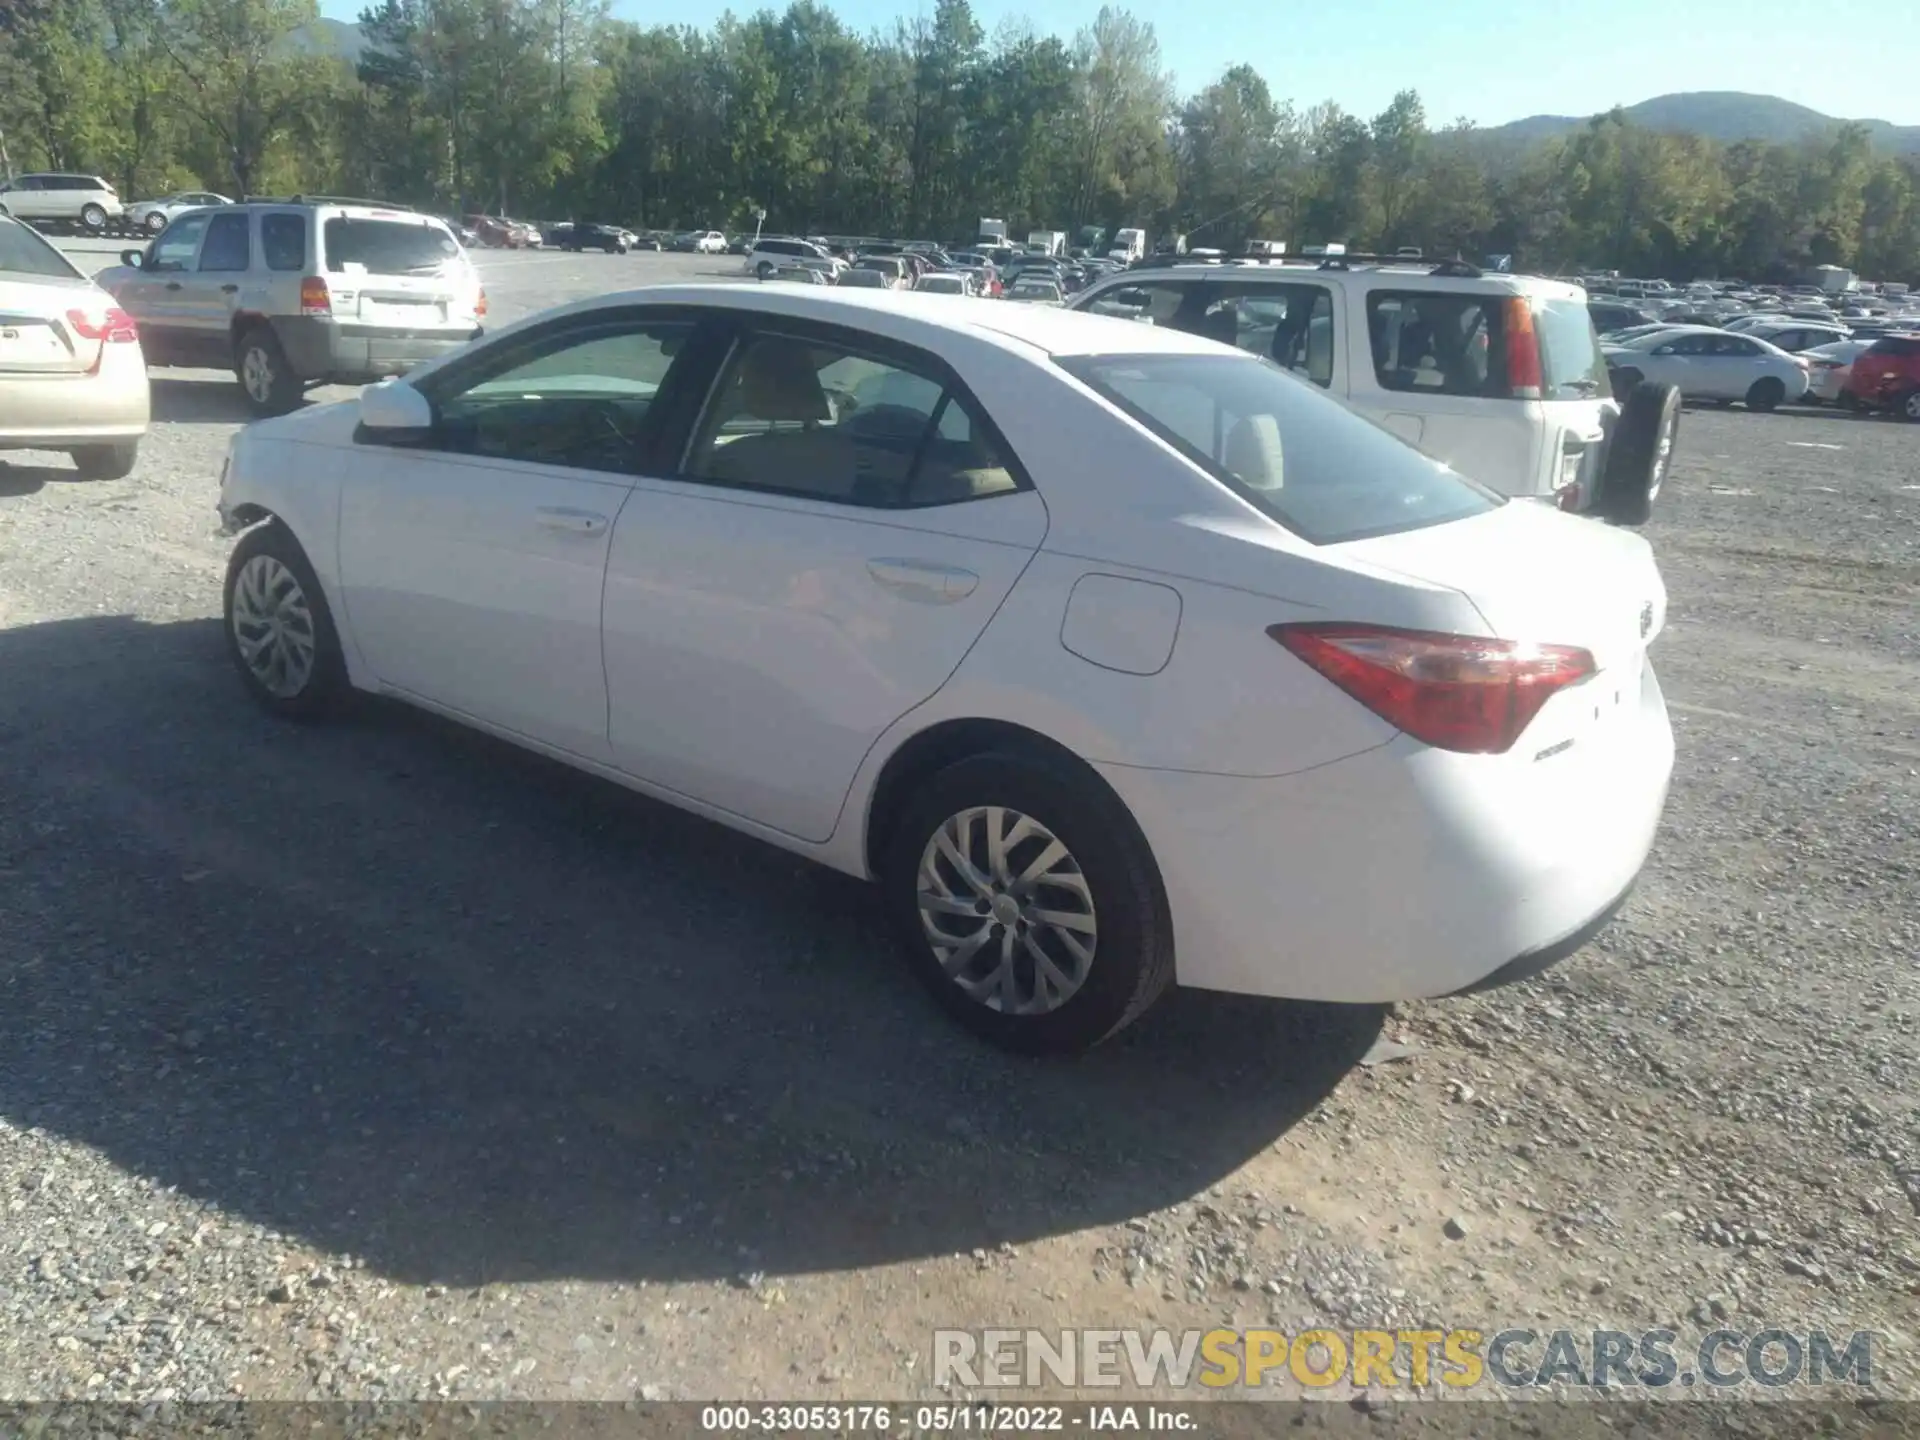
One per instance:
(94, 217)
(1641, 453)
(1028, 903)
(1908, 405)
(105, 462)
(764, 270)
(1765, 395)
(156, 222)
(279, 630)
(265, 376)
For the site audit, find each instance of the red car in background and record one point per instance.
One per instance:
(1886, 376)
(496, 233)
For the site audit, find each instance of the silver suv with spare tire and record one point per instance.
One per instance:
(295, 293)
(1497, 375)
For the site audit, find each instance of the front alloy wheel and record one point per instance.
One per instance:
(1007, 911)
(273, 628)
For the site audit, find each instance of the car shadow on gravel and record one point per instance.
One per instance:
(407, 993)
(18, 480)
(215, 400)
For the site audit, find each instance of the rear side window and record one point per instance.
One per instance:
(1306, 461)
(22, 252)
(1437, 343)
(386, 247)
(283, 241)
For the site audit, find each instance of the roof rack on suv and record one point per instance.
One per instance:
(1455, 269)
(325, 200)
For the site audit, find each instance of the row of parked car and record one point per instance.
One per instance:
(923, 265)
(1766, 346)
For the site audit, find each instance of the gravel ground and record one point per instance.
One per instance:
(380, 1060)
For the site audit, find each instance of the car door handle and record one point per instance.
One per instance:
(924, 580)
(574, 522)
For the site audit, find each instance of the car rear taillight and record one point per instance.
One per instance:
(314, 299)
(116, 327)
(1454, 692)
(480, 305)
(1523, 351)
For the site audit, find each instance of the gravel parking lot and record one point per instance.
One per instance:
(383, 1060)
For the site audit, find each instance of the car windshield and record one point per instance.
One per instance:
(387, 247)
(1570, 360)
(1304, 460)
(24, 253)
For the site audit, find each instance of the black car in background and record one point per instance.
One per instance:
(609, 238)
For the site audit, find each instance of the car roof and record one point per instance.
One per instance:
(916, 319)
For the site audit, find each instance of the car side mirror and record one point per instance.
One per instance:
(393, 413)
(1663, 350)
(134, 259)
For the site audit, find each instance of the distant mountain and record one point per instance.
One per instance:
(1723, 115)
(329, 37)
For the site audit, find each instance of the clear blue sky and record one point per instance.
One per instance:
(1489, 60)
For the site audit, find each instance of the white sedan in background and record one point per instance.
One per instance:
(1828, 368)
(1708, 363)
(153, 216)
(1115, 657)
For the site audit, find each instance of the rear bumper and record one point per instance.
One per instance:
(55, 412)
(1404, 872)
(339, 352)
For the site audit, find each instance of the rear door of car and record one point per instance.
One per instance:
(211, 293)
(838, 528)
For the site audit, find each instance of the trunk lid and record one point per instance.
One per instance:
(1538, 575)
(37, 338)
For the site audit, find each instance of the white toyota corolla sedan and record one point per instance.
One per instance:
(1114, 656)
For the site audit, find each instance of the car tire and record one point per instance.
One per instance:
(764, 270)
(1765, 394)
(1641, 453)
(1849, 401)
(105, 462)
(1103, 881)
(279, 630)
(266, 376)
(1907, 406)
(93, 217)
(155, 223)
(1624, 382)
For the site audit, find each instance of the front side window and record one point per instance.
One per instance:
(819, 421)
(581, 398)
(177, 246)
(227, 246)
(1305, 461)
(1737, 346)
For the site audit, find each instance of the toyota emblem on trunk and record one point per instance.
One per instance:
(1646, 620)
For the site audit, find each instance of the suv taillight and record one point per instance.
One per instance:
(1523, 351)
(1454, 692)
(314, 299)
(116, 327)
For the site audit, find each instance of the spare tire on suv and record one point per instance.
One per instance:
(1641, 451)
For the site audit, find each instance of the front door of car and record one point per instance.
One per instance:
(472, 564)
(844, 522)
(157, 297)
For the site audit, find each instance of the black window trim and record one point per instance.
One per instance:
(753, 325)
(688, 377)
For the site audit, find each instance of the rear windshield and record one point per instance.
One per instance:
(1303, 459)
(24, 253)
(1571, 365)
(387, 247)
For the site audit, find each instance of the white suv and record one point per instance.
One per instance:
(1499, 376)
(772, 253)
(84, 200)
